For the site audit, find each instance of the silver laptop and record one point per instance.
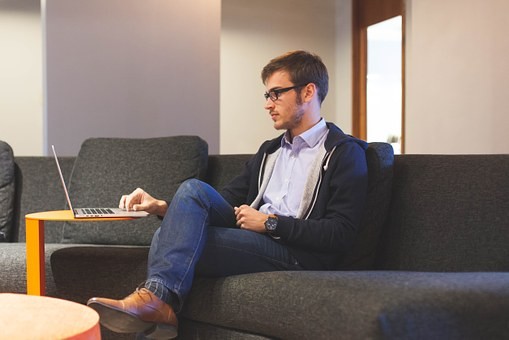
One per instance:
(94, 212)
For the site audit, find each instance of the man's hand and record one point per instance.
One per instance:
(139, 200)
(250, 218)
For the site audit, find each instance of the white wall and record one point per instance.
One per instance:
(457, 95)
(131, 68)
(21, 100)
(457, 72)
(253, 32)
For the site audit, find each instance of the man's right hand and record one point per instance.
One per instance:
(139, 200)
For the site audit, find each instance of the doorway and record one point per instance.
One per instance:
(378, 72)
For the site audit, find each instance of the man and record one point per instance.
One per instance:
(296, 206)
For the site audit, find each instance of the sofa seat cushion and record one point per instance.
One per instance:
(13, 260)
(355, 305)
(107, 168)
(7, 192)
(83, 271)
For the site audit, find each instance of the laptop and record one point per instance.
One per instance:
(94, 212)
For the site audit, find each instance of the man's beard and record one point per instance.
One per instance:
(299, 111)
(296, 117)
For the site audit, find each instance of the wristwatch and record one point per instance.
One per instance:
(271, 224)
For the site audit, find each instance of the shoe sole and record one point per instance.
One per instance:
(161, 331)
(120, 321)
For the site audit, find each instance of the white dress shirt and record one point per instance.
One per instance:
(286, 185)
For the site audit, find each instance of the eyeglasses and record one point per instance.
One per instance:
(275, 93)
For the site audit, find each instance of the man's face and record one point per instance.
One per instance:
(286, 111)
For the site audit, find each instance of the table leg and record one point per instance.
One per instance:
(36, 273)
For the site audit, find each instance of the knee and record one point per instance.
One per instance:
(191, 183)
(193, 190)
(191, 187)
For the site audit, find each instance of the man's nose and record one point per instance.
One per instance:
(269, 104)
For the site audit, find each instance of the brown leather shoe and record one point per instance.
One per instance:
(141, 311)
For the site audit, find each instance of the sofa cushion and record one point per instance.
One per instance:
(380, 160)
(42, 191)
(198, 330)
(83, 271)
(13, 261)
(107, 168)
(221, 169)
(448, 213)
(355, 304)
(7, 192)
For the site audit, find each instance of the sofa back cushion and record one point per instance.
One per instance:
(7, 192)
(448, 213)
(223, 168)
(107, 168)
(380, 159)
(41, 190)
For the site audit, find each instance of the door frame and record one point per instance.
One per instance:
(364, 14)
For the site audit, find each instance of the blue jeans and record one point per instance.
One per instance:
(199, 236)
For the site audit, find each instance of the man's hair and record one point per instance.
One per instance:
(303, 68)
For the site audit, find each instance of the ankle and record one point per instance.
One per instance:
(162, 292)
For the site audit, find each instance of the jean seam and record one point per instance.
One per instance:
(189, 263)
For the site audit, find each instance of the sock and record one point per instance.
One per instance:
(163, 293)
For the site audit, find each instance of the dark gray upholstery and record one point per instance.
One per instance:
(446, 306)
(448, 213)
(196, 330)
(222, 168)
(380, 158)
(42, 191)
(7, 192)
(13, 270)
(356, 304)
(438, 224)
(112, 271)
(105, 169)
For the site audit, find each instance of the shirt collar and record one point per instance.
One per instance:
(311, 136)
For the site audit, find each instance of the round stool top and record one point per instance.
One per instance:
(40, 317)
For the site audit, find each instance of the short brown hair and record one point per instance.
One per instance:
(303, 68)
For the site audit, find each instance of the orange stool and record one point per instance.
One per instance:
(40, 317)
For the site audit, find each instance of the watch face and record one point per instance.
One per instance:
(271, 224)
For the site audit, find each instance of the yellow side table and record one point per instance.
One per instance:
(41, 317)
(36, 273)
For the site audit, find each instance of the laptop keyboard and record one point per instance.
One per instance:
(96, 211)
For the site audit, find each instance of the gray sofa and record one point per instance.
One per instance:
(431, 260)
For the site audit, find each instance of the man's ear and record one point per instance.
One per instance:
(310, 90)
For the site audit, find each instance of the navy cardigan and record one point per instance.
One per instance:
(327, 232)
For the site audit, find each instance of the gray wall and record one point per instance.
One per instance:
(131, 68)
(21, 98)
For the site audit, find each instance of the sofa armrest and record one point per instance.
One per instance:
(7, 192)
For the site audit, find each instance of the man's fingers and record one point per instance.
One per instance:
(139, 207)
(129, 202)
(134, 201)
(121, 203)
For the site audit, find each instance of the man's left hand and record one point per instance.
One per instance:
(250, 218)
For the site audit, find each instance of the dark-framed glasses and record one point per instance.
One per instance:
(275, 93)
